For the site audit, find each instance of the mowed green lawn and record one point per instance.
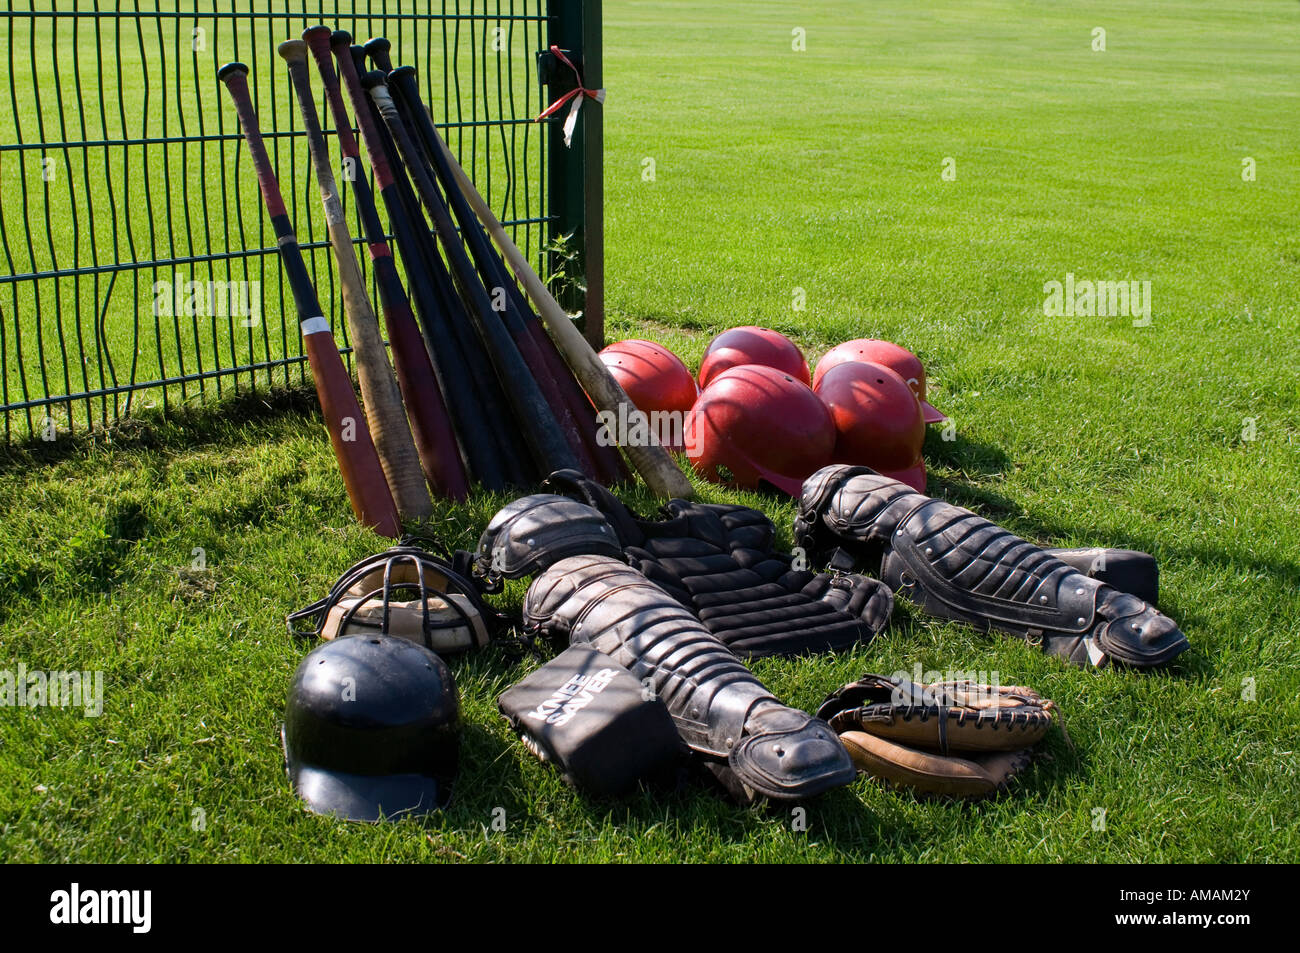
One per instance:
(776, 170)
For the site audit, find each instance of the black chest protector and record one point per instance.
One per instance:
(717, 560)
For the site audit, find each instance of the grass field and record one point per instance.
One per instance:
(776, 170)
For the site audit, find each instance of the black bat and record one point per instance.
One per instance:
(520, 464)
(540, 429)
(469, 383)
(575, 412)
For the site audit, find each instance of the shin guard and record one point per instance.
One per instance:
(754, 744)
(957, 565)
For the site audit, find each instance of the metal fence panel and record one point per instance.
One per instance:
(137, 264)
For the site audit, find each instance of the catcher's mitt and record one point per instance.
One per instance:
(906, 733)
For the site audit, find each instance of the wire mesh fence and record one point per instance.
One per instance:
(139, 267)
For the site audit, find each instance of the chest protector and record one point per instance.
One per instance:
(716, 560)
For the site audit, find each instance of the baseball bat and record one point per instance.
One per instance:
(431, 428)
(607, 465)
(540, 430)
(381, 399)
(372, 501)
(653, 462)
(416, 119)
(519, 456)
(571, 407)
(468, 382)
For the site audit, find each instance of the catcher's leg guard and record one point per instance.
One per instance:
(957, 565)
(755, 744)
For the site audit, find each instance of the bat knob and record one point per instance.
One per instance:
(402, 73)
(378, 50)
(340, 38)
(316, 36)
(230, 69)
(373, 79)
(295, 51)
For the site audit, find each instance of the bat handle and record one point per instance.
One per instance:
(235, 76)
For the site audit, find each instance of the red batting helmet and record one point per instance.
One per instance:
(751, 345)
(878, 420)
(898, 359)
(653, 376)
(762, 425)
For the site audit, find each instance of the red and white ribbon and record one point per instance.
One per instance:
(574, 97)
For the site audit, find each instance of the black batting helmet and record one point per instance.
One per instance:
(372, 729)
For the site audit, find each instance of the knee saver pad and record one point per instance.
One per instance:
(1128, 570)
(957, 565)
(724, 714)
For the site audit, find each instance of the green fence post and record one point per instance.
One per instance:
(575, 179)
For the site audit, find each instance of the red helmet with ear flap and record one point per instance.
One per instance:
(751, 345)
(898, 359)
(755, 426)
(878, 420)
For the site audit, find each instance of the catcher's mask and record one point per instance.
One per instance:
(372, 729)
(407, 592)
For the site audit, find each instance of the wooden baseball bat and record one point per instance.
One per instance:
(653, 462)
(380, 395)
(372, 501)
(431, 426)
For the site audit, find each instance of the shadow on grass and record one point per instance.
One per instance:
(969, 457)
(222, 422)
